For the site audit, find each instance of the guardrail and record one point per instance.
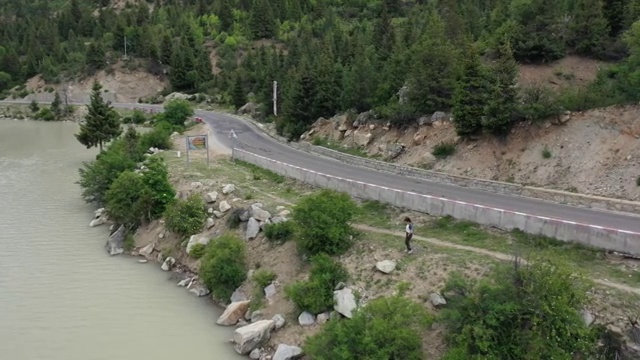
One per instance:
(589, 235)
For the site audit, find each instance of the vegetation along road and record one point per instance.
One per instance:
(252, 139)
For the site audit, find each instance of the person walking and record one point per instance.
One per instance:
(408, 234)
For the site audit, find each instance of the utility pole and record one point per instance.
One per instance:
(275, 98)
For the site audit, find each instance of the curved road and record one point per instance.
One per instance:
(252, 139)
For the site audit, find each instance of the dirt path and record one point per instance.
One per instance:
(494, 254)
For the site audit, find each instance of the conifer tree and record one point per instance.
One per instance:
(471, 96)
(589, 30)
(102, 123)
(56, 106)
(263, 23)
(503, 97)
(237, 95)
(226, 16)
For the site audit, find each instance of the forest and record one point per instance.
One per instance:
(402, 59)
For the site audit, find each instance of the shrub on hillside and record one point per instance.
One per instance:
(223, 267)
(198, 250)
(186, 217)
(176, 112)
(128, 199)
(97, 176)
(537, 103)
(158, 137)
(138, 117)
(156, 179)
(264, 277)
(324, 222)
(280, 232)
(520, 309)
(316, 294)
(386, 328)
(444, 149)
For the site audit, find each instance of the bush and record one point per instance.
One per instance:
(323, 219)
(159, 137)
(45, 114)
(138, 117)
(316, 294)
(386, 328)
(128, 199)
(198, 250)
(537, 103)
(176, 112)
(546, 153)
(444, 149)
(520, 309)
(223, 267)
(264, 277)
(156, 180)
(97, 176)
(186, 217)
(280, 232)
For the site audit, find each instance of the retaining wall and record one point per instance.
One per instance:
(589, 235)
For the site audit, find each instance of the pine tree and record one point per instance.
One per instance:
(589, 30)
(471, 97)
(263, 24)
(33, 106)
(503, 97)
(237, 95)
(102, 123)
(95, 57)
(384, 36)
(538, 36)
(56, 106)
(226, 16)
(298, 101)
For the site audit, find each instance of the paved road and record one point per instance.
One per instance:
(250, 138)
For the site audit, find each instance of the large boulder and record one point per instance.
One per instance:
(224, 207)
(280, 321)
(306, 319)
(249, 108)
(386, 266)
(440, 116)
(287, 352)
(234, 312)
(259, 214)
(249, 337)
(362, 138)
(147, 250)
(253, 228)
(437, 300)
(364, 118)
(168, 264)
(238, 296)
(345, 302)
(211, 197)
(115, 243)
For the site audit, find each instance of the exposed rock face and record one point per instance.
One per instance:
(115, 242)
(234, 312)
(345, 302)
(249, 337)
(362, 138)
(287, 352)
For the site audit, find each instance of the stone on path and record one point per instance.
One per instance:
(306, 319)
(386, 266)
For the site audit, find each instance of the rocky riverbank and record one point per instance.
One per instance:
(267, 325)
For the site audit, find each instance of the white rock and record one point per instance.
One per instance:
(587, 317)
(280, 208)
(224, 207)
(263, 224)
(234, 312)
(98, 221)
(278, 219)
(386, 266)
(437, 300)
(345, 302)
(115, 243)
(257, 316)
(199, 290)
(284, 213)
(279, 320)
(211, 197)
(251, 336)
(287, 352)
(197, 239)
(253, 228)
(185, 282)
(259, 214)
(323, 317)
(210, 210)
(270, 291)
(306, 319)
(218, 214)
(147, 250)
(143, 261)
(210, 223)
(255, 354)
(228, 189)
(238, 296)
(168, 263)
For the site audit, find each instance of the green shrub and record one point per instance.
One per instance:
(546, 153)
(186, 217)
(138, 117)
(537, 103)
(198, 250)
(638, 181)
(45, 114)
(129, 243)
(97, 176)
(280, 232)
(223, 266)
(264, 277)
(176, 112)
(324, 222)
(316, 294)
(128, 199)
(126, 120)
(156, 179)
(159, 137)
(444, 149)
(386, 328)
(519, 309)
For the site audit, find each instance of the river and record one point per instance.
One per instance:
(62, 297)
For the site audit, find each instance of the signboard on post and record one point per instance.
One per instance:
(198, 142)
